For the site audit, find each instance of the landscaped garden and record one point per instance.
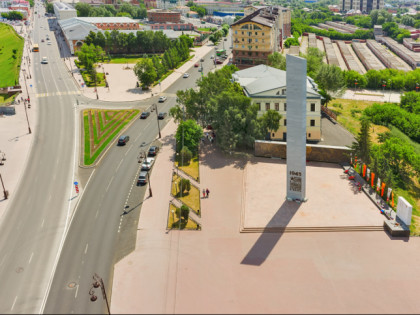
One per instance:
(190, 195)
(191, 168)
(90, 82)
(174, 221)
(5, 99)
(11, 48)
(100, 128)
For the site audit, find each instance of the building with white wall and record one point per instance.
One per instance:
(64, 11)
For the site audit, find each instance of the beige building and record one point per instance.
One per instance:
(259, 34)
(266, 86)
(365, 6)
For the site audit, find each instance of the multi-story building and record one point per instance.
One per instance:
(112, 23)
(163, 16)
(259, 34)
(266, 86)
(172, 26)
(169, 4)
(64, 11)
(365, 6)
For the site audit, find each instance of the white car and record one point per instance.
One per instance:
(162, 99)
(44, 60)
(186, 75)
(147, 164)
(48, 43)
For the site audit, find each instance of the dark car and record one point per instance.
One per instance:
(219, 61)
(196, 65)
(144, 115)
(153, 151)
(162, 115)
(123, 140)
(142, 178)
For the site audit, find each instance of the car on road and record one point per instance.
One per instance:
(200, 69)
(196, 65)
(162, 115)
(42, 40)
(186, 75)
(48, 43)
(225, 39)
(144, 115)
(142, 178)
(44, 60)
(153, 150)
(202, 59)
(219, 61)
(123, 140)
(147, 164)
(162, 99)
(211, 57)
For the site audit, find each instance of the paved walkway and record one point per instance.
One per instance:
(219, 270)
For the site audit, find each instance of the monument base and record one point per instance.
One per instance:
(397, 228)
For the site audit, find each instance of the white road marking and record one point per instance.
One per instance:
(128, 150)
(14, 302)
(31, 258)
(137, 138)
(119, 165)
(110, 183)
(42, 224)
(86, 248)
(49, 198)
(96, 215)
(77, 289)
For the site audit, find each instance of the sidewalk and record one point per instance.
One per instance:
(372, 95)
(122, 82)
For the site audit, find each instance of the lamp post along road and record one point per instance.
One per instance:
(157, 118)
(4, 189)
(150, 185)
(27, 119)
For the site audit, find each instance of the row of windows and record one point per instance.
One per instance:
(311, 122)
(250, 33)
(249, 46)
(250, 27)
(277, 106)
(249, 40)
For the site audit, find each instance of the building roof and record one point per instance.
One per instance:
(76, 29)
(62, 6)
(263, 78)
(111, 19)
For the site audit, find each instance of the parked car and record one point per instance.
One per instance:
(153, 150)
(162, 115)
(144, 115)
(123, 140)
(142, 178)
(212, 57)
(147, 164)
(186, 75)
(44, 60)
(196, 65)
(162, 99)
(200, 69)
(202, 59)
(42, 40)
(48, 43)
(219, 61)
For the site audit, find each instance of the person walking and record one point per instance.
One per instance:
(204, 193)
(207, 192)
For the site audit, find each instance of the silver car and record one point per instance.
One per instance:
(147, 164)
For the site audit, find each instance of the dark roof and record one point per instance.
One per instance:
(264, 16)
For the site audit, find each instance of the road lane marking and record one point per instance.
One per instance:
(137, 137)
(77, 289)
(128, 150)
(96, 215)
(109, 183)
(86, 248)
(49, 198)
(116, 170)
(42, 224)
(30, 259)
(14, 302)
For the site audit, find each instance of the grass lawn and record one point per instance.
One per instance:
(114, 126)
(4, 98)
(9, 61)
(190, 169)
(191, 198)
(348, 115)
(204, 29)
(129, 59)
(173, 220)
(91, 83)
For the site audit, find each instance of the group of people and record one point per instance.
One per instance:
(206, 193)
(209, 137)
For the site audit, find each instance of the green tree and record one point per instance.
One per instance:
(331, 78)
(88, 55)
(313, 60)
(277, 60)
(270, 121)
(291, 41)
(407, 20)
(188, 135)
(361, 147)
(183, 212)
(352, 77)
(145, 72)
(83, 9)
(185, 156)
(15, 15)
(184, 185)
(410, 101)
(49, 7)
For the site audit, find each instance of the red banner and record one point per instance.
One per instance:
(382, 189)
(373, 176)
(364, 170)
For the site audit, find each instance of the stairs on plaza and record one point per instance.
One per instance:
(296, 229)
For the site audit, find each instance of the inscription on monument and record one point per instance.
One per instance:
(295, 181)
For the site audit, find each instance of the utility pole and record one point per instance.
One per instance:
(5, 192)
(27, 119)
(98, 282)
(150, 185)
(157, 118)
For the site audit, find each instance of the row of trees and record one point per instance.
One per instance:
(139, 42)
(216, 36)
(108, 10)
(219, 102)
(12, 15)
(149, 70)
(196, 8)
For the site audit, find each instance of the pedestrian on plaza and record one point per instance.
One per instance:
(207, 192)
(204, 193)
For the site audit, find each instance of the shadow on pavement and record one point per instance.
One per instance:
(266, 242)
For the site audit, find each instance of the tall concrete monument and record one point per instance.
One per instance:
(296, 127)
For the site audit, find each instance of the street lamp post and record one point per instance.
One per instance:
(383, 85)
(27, 119)
(5, 192)
(26, 85)
(355, 83)
(96, 87)
(157, 118)
(150, 185)
(98, 282)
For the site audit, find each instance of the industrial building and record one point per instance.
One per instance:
(364, 6)
(64, 11)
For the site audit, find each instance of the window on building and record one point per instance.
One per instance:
(243, 46)
(256, 40)
(263, 40)
(236, 32)
(242, 33)
(256, 33)
(259, 106)
(309, 135)
(312, 122)
(256, 27)
(256, 53)
(312, 107)
(267, 106)
(236, 46)
(249, 40)
(243, 39)
(283, 92)
(249, 33)
(277, 106)
(273, 134)
(285, 106)
(262, 34)
(256, 47)
(285, 122)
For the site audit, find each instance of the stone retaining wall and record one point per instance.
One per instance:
(319, 153)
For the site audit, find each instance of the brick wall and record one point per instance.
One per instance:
(317, 153)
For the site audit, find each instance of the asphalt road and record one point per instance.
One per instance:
(33, 226)
(90, 246)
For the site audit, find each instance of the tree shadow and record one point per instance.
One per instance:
(213, 157)
(270, 236)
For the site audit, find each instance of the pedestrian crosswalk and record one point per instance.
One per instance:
(57, 93)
